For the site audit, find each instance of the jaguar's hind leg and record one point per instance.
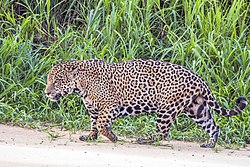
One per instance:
(199, 112)
(165, 117)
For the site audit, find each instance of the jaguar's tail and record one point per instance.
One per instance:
(241, 103)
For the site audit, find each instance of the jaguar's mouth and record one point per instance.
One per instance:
(55, 98)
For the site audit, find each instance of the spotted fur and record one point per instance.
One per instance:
(135, 87)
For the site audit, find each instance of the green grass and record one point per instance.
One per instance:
(211, 38)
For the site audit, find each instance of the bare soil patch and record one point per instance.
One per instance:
(28, 147)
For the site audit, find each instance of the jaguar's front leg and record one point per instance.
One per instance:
(104, 122)
(93, 132)
(93, 119)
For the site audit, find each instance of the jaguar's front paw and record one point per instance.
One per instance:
(92, 136)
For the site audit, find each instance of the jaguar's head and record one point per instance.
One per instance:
(60, 81)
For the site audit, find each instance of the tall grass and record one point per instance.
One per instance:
(209, 37)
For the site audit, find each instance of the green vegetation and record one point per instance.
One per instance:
(210, 37)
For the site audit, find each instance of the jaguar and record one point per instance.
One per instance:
(135, 87)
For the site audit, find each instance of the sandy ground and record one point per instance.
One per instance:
(28, 147)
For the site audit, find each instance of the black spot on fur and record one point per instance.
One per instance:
(129, 110)
(200, 122)
(146, 108)
(76, 90)
(150, 105)
(122, 108)
(215, 132)
(170, 111)
(191, 112)
(137, 112)
(162, 111)
(217, 106)
(208, 126)
(137, 107)
(239, 99)
(199, 111)
(165, 131)
(242, 106)
(224, 111)
(240, 102)
(232, 112)
(165, 116)
(173, 115)
(160, 115)
(167, 121)
(211, 104)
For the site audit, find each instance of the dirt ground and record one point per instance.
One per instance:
(28, 147)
